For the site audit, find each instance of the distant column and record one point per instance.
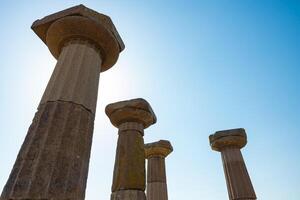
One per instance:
(131, 117)
(54, 158)
(229, 143)
(156, 174)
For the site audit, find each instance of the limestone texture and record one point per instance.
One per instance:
(131, 117)
(229, 143)
(128, 195)
(54, 158)
(235, 138)
(156, 153)
(134, 110)
(129, 172)
(53, 161)
(76, 76)
(84, 23)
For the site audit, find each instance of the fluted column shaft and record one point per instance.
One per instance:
(53, 160)
(52, 163)
(238, 181)
(156, 178)
(156, 153)
(76, 75)
(131, 117)
(229, 143)
(129, 171)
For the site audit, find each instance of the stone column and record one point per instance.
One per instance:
(131, 117)
(229, 143)
(53, 160)
(156, 174)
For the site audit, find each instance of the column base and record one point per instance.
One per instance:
(128, 195)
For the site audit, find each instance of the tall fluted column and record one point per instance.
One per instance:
(54, 158)
(156, 174)
(131, 117)
(229, 143)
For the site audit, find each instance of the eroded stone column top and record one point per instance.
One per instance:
(134, 110)
(160, 148)
(228, 138)
(83, 23)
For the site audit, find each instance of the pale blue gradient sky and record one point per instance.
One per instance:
(203, 65)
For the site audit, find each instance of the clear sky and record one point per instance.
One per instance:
(204, 66)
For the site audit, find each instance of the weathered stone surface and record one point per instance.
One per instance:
(54, 158)
(160, 148)
(131, 117)
(228, 138)
(156, 174)
(157, 191)
(129, 172)
(76, 75)
(134, 110)
(237, 178)
(84, 23)
(128, 195)
(156, 170)
(53, 161)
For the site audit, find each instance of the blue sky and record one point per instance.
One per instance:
(204, 66)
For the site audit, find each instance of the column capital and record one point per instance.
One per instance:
(160, 148)
(235, 138)
(134, 110)
(80, 22)
(131, 126)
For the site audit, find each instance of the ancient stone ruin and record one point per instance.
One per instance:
(229, 143)
(54, 158)
(53, 161)
(156, 153)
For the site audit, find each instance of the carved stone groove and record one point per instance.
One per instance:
(53, 161)
(128, 195)
(238, 181)
(129, 171)
(76, 75)
(156, 153)
(229, 143)
(131, 117)
(54, 158)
